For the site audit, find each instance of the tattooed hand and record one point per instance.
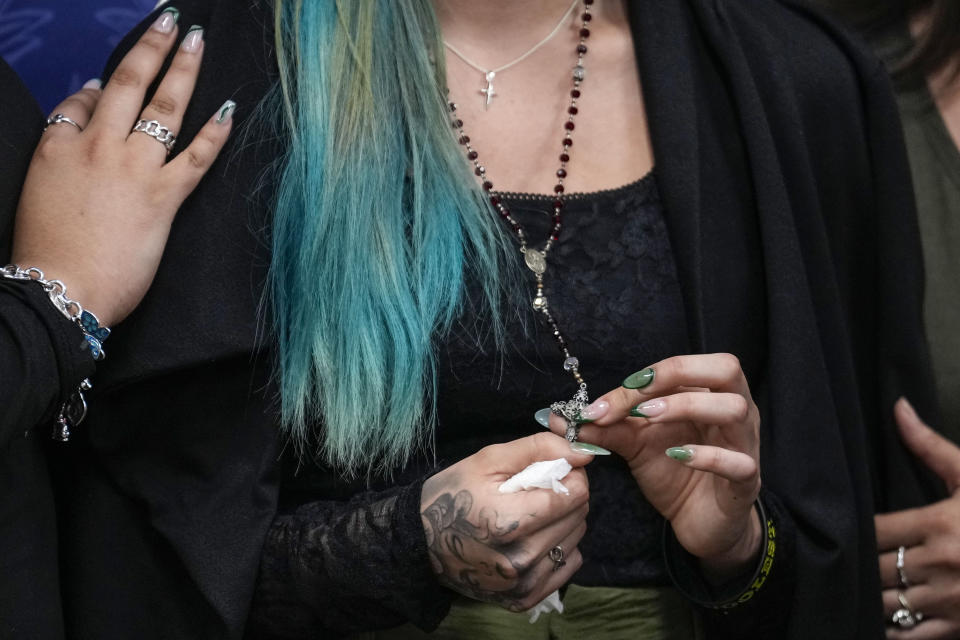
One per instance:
(492, 546)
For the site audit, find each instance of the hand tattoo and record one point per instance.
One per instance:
(474, 559)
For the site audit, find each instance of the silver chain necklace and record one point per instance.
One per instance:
(490, 74)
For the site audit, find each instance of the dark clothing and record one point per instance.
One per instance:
(614, 292)
(781, 171)
(935, 167)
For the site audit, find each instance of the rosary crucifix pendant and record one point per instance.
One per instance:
(488, 92)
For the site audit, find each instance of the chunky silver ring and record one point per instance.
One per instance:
(905, 617)
(556, 554)
(156, 130)
(902, 582)
(59, 118)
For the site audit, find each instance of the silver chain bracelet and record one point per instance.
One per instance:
(74, 410)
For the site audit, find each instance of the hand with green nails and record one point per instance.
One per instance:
(690, 432)
(99, 198)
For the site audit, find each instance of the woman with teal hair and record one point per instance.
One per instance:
(442, 231)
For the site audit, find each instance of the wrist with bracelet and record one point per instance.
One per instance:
(74, 410)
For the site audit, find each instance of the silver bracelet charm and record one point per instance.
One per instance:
(74, 410)
(94, 335)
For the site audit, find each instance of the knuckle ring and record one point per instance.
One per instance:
(905, 617)
(59, 118)
(902, 582)
(556, 554)
(157, 131)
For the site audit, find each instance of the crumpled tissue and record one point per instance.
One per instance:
(545, 474)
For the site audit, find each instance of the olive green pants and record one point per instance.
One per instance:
(589, 612)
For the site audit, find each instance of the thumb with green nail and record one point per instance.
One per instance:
(690, 432)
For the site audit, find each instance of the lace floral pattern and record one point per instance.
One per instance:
(613, 289)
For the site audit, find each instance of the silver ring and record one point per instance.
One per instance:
(905, 617)
(902, 582)
(156, 130)
(59, 118)
(556, 554)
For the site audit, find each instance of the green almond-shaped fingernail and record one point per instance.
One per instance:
(592, 449)
(543, 417)
(640, 379)
(681, 454)
(226, 111)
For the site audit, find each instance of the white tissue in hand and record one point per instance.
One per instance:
(550, 603)
(546, 474)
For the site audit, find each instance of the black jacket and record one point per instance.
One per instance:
(783, 173)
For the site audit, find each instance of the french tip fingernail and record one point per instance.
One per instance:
(638, 414)
(226, 111)
(681, 454)
(93, 83)
(640, 379)
(543, 417)
(590, 449)
(167, 20)
(191, 43)
(596, 410)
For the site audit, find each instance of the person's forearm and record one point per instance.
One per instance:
(41, 359)
(343, 567)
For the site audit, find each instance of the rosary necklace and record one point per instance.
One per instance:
(536, 259)
(490, 74)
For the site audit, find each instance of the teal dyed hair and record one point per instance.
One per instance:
(378, 225)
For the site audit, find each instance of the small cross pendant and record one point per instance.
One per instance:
(488, 92)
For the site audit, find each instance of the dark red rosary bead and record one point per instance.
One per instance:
(588, 2)
(477, 171)
(569, 126)
(567, 142)
(487, 185)
(464, 139)
(558, 204)
(573, 111)
(564, 157)
(473, 155)
(457, 123)
(561, 173)
(575, 93)
(494, 200)
(584, 33)
(586, 17)
(558, 188)
(581, 48)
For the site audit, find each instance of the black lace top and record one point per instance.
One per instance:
(613, 290)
